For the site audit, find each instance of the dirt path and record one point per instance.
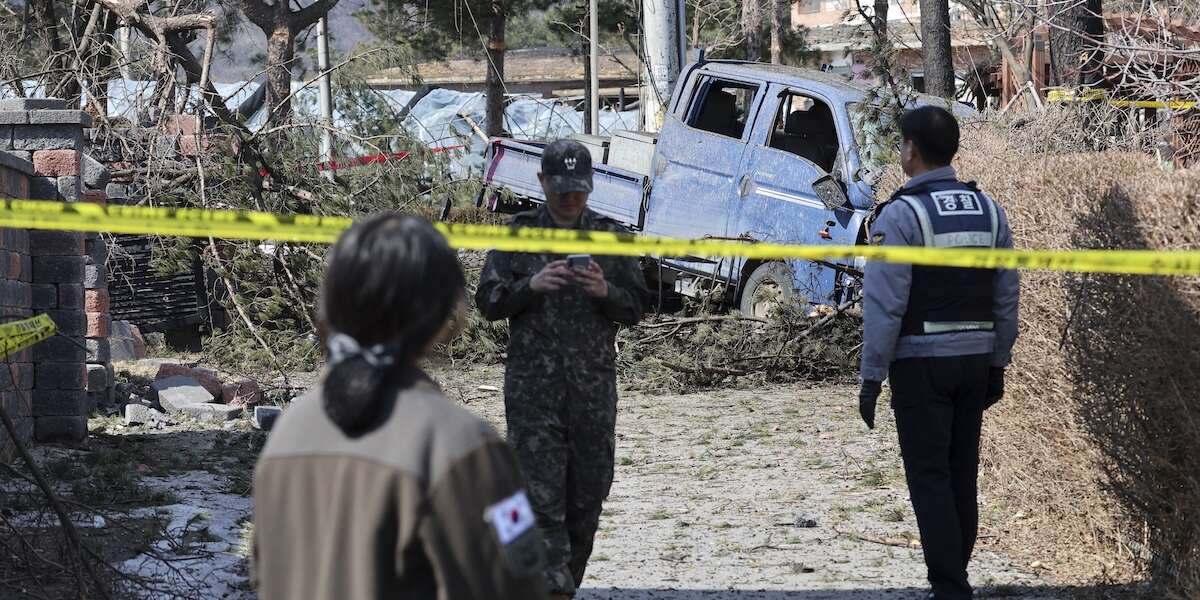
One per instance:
(733, 494)
(757, 494)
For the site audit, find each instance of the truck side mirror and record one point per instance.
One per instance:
(830, 192)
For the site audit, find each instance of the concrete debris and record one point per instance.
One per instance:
(95, 174)
(206, 378)
(140, 414)
(244, 393)
(125, 342)
(211, 412)
(173, 394)
(265, 417)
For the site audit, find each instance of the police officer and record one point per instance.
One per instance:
(560, 389)
(943, 336)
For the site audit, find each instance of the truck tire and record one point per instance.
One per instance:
(769, 285)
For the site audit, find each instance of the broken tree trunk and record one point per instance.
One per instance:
(165, 33)
(281, 25)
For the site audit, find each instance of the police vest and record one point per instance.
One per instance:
(951, 214)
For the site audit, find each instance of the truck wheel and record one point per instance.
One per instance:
(768, 286)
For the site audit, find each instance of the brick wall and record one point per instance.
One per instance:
(59, 273)
(16, 270)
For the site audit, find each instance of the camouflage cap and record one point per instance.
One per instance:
(567, 167)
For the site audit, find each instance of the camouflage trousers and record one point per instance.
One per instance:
(564, 436)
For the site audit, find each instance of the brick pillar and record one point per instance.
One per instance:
(46, 133)
(15, 299)
(100, 375)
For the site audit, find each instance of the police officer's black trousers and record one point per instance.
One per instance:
(939, 406)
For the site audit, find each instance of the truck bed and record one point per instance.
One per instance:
(617, 193)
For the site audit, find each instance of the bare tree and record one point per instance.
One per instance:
(170, 35)
(778, 20)
(879, 19)
(935, 41)
(716, 25)
(1004, 23)
(1076, 32)
(752, 28)
(281, 25)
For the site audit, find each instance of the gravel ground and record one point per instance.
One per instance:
(758, 494)
(738, 494)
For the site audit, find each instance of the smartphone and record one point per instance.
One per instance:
(581, 261)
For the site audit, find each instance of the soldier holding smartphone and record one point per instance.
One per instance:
(560, 388)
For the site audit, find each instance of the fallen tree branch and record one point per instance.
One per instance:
(841, 309)
(705, 370)
(212, 244)
(64, 519)
(863, 537)
(691, 320)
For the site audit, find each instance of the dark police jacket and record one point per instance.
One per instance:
(914, 311)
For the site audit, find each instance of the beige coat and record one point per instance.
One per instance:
(429, 505)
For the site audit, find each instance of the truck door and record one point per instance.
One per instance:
(787, 152)
(697, 161)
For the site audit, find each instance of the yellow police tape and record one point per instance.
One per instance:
(19, 335)
(248, 225)
(1094, 94)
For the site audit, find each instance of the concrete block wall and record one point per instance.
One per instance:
(70, 373)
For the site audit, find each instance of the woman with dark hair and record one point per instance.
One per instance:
(374, 485)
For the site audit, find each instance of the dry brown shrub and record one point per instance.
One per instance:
(1093, 458)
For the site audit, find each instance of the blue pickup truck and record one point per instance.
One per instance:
(747, 151)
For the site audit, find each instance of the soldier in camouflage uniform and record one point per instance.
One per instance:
(560, 393)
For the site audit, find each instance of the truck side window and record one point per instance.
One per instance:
(723, 108)
(805, 127)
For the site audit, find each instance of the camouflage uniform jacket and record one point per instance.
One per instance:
(564, 328)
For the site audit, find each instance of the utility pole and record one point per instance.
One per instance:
(594, 63)
(664, 49)
(326, 98)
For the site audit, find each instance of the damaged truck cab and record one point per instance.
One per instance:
(747, 152)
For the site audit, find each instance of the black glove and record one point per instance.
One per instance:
(867, 396)
(995, 388)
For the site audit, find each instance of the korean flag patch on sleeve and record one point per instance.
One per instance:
(515, 528)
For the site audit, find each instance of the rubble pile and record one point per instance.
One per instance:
(180, 392)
